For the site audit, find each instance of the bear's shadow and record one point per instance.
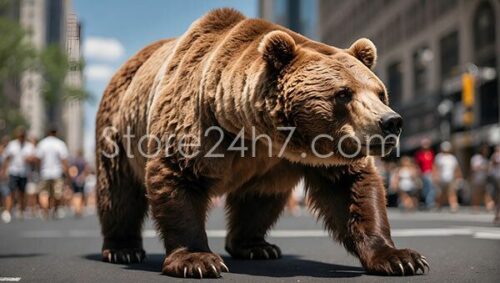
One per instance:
(288, 266)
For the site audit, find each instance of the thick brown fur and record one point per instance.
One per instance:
(236, 73)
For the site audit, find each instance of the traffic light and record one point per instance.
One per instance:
(468, 93)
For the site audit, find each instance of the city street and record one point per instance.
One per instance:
(190, 97)
(461, 247)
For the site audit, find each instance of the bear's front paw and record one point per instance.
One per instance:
(260, 250)
(182, 263)
(133, 255)
(391, 261)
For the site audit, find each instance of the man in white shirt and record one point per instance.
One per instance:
(480, 166)
(17, 156)
(52, 154)
(447, 173)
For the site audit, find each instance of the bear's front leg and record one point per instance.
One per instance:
(179, 208)
(351, 199)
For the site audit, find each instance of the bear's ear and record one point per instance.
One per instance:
(277, 48)
(365, 51)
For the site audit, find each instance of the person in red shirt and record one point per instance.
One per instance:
(425, 160)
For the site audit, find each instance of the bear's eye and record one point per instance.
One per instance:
(344, 95)
(381, 96)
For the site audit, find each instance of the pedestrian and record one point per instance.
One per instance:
(447, 175)
(425, 161)
(4, 188)
(17, 156)
(52, 154)
(77, 172)
(479, 179)
(387, 170)
(495, 173)
(89, 190)
(296, 199)
(407, 183)
(32, 187)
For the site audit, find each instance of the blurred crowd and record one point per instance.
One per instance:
(41, 178)
(431, 181)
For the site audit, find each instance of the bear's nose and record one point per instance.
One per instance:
(391, 124)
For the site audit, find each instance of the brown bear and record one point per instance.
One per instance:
(246, 108)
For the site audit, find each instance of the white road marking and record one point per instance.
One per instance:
(487, 235)
(475, 232)
(10, 279)
(430, 232)
(441, 216)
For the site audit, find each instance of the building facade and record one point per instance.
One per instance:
(73, 112)
(33, 18)
(424, 49)
(51, 22)
(299, 16)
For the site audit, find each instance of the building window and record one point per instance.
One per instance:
(484, 31)
(422, 58)
(394, 32)
(395, 83)
(443, 6)
(416, 18)
(449, 50)
(486, 57)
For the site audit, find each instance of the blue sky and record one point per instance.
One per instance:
(113, 30)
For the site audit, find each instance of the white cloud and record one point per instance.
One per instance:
(100, 48)
(98, 72)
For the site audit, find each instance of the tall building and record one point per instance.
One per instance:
(73, 112)
(33, 19)
(51, 22)
(299, 16)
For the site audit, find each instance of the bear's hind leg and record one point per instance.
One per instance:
(250, 216)
(122, 207)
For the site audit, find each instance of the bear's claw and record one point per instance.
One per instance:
(254, 251)
(123, 255)
(392, 261)
(225, 266)
(182, 263)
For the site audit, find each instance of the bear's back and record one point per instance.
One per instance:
(186, 84)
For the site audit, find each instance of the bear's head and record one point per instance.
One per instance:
(337, 105)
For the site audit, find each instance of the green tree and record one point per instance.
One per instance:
(16, 56)
(55, 65)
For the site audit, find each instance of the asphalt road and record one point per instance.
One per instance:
(461, 247)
